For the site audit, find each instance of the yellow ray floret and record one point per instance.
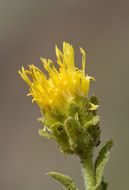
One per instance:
(54, 92)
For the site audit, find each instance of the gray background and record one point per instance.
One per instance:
(30, 29)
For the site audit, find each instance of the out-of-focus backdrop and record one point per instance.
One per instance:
(30, 29)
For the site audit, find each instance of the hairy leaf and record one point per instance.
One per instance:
(66, 181)
(101, 161)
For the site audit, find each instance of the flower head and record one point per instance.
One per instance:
(54, 92)
(69, 116)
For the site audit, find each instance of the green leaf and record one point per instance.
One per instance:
(101, 161)
(66, 181)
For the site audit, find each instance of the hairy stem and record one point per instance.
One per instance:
(88, 171)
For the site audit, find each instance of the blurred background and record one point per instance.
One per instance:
(30, 29)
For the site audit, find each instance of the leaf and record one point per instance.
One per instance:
(66, 181)
(101, 161)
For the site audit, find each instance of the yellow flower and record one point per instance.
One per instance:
(55, 91)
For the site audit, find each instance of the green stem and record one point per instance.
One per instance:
(88, 171)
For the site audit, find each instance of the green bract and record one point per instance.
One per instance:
(78, 129)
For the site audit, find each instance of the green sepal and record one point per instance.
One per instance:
(66, 181)
(94, 121)
(101, 160)
(76, 134)
(92, 128)
(50, 117)
(43, 132)
(61, 137)
(71, 109)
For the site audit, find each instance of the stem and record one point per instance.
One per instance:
(88, 172)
